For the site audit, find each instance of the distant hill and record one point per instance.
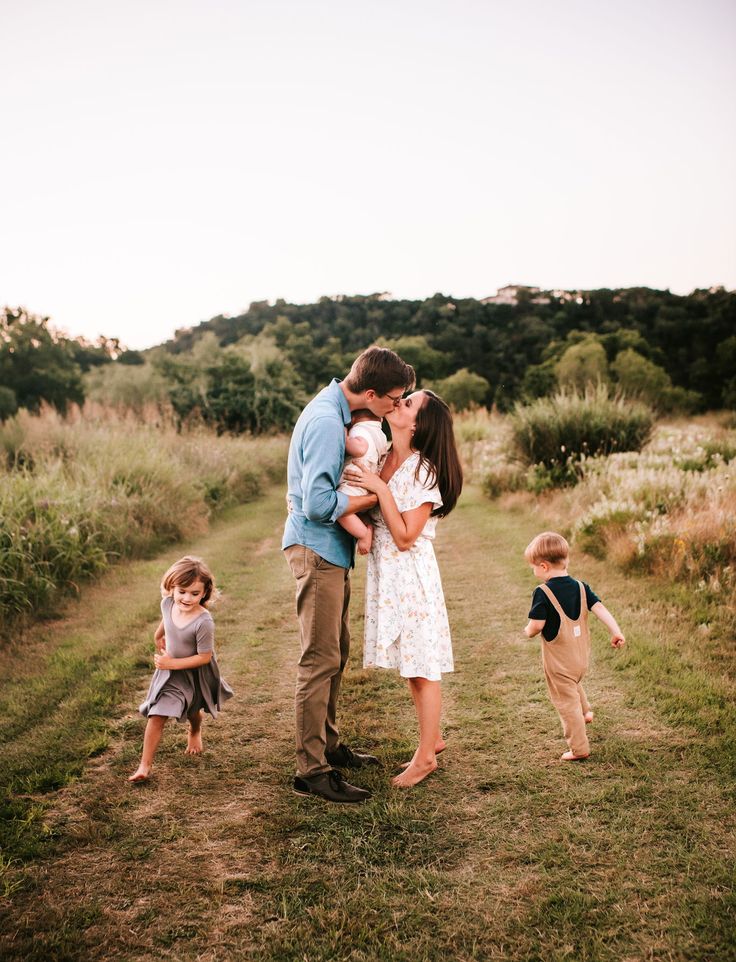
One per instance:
(506, 338)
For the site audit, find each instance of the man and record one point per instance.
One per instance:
(320, 554)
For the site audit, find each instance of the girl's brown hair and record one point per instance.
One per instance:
(434, 439)
(185, 572)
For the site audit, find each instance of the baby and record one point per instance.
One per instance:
(560, 612)
(367, 442)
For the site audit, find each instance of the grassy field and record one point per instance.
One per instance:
(505, 853)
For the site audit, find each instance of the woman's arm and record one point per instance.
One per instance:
(405, 527)
(174, 664)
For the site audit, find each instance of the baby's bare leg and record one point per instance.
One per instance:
(194, 736)
(353, 524)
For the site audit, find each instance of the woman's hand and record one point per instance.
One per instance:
(356, 473)
(163, 660)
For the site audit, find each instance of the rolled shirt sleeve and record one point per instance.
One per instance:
(323, 451)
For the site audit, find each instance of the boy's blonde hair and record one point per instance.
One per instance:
(547, 546)
(185, 572)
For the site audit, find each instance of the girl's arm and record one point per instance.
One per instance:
(174, 664)
(159, 638)
(534, 627)
(603, 614)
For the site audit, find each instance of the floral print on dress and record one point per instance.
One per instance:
(406, 624)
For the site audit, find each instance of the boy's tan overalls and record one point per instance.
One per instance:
(565, 661)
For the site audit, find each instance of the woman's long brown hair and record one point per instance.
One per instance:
(434, 439)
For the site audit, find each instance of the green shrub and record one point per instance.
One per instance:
(75, 498)
(561, 432)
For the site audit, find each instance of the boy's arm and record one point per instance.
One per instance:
(534, 627)
(603, 614)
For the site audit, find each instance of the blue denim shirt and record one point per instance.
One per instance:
(316, 456)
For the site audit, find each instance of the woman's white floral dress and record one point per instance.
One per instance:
(406, 623)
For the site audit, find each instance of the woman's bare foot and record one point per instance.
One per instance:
(588, 716)
(194, 743)
(415, 773)
(140, 775)
(571, 757)
(439, 747)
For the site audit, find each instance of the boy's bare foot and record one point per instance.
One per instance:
(194, 743)
(439, 747)
(588, 716)
(570, 757)
(140, 775)
(415, 773)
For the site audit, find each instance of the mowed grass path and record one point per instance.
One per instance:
(506, 853)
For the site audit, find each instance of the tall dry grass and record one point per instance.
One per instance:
(78, 494)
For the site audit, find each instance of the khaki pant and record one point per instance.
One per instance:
(571, 702)
(322, 600)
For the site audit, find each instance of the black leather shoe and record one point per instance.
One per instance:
(343, 757)
(331, 786)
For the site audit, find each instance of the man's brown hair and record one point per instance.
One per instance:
(381, 370)
(547, 546)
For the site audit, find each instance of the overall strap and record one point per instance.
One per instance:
(555, 603)
(583, 603)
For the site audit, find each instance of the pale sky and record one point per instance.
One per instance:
(163, 162)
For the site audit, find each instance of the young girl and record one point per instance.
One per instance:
(406, 623)
(367, 442)
(187, 679)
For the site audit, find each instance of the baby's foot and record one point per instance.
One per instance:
(364, 543)
(588, 716)
(439, 747)
(415, 773)
(572, 757)
(141, 774)
(194, 743)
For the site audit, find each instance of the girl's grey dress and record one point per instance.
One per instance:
(179, 692)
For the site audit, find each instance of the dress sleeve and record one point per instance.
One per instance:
(204, 635)
(418, 490)
(590, 596)
(539, 610)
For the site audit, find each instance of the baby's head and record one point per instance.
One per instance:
(186, 572)
(546, 552)
(363, 414)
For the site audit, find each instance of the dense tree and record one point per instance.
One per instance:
(36, 363)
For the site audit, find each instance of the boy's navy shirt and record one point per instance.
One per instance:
(567, 592)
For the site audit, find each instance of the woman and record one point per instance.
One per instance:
(405, 616)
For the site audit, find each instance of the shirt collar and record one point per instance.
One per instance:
(336, 390)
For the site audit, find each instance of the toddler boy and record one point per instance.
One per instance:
(560, 612)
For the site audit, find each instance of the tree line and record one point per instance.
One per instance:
(252, 371)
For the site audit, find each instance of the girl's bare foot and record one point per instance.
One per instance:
(415, 773)
(439, 747)
(571, 757)
(588, 716)
(140, 775)
(194, 743)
